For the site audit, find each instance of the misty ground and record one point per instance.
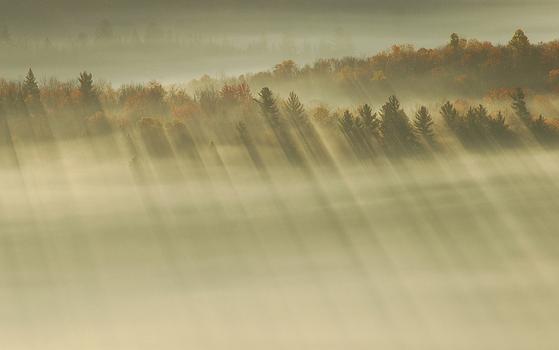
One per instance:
(458, 251)
(104, 246)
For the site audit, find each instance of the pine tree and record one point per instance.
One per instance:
(87, 89)
(347, 124)
(88, 95)
(295, 110)
(499, 129)
(396, 128)
(269, 107)
(369, 119)
(423, 124)
(30, 86)
(352, 128)
(272, 115)
(519, 106)
(450, 116)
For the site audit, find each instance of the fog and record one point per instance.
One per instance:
(226, 201)
(458, 251)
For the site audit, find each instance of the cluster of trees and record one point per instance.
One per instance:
(23, 103)
(461, 67)
(167, 121)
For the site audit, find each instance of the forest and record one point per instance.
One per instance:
(170, 121)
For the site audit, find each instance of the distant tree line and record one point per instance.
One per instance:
(462, 67)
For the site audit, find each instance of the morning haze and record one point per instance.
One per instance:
(279, 175)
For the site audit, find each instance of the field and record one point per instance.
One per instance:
(456, 251)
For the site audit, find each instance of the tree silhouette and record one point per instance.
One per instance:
(269, 107)
(88, 95)
(371, 124)
(396, 129)
(542, 131)
(519, 106)
(423, 124)
(520, 41)
(295, 110)
(450, 116)
(30, 86)
(455, 42)
(272, 115)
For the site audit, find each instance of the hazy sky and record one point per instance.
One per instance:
(9, 6)
(366, 26)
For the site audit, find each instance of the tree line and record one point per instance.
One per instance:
(461, 67)
(169, 120)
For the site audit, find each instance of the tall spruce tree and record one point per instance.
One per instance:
(272, 115)
(423, 124)
(397, 132)
(30, 86)
(88, 95)
(450, 116)
(519, 106)
(370, 121)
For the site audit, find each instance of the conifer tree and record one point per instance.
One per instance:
(397, 132)
(347, 123)
(30, 86)
(269, 107)
(519, 106)
(450, 116)
(369, 119)
(423, 124)
(88, 95)
(295, 110)
(272, 115)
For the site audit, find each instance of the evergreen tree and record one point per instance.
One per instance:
(295, 110)
(423, 125)
(352, 128)
(30, 86)
(272, 115)
(88, 95)
(543, 132)
(397, 132)
(31, 97)
(499, 129)
(347, 123)
(519, 106)
(369, 119)
(87, 89)
(269, 108)
(450, 116)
